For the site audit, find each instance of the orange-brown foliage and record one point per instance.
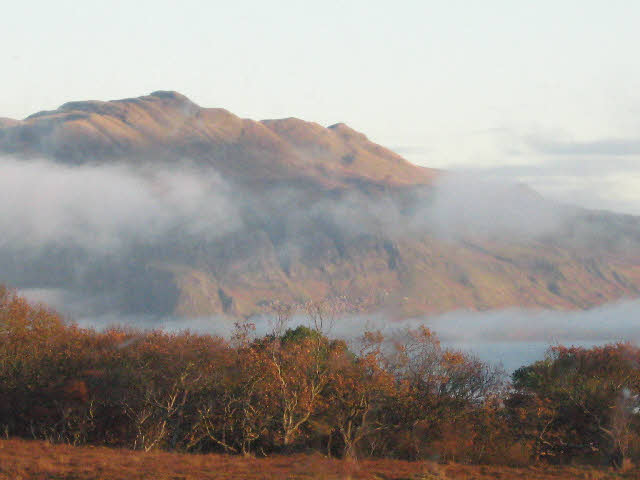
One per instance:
(295, 390)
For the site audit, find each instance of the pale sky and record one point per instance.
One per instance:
(545, 92)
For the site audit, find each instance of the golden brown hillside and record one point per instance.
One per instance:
(168, 123)
(317, 212)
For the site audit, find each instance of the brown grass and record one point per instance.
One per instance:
(35, 460)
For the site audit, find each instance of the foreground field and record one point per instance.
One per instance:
(35, 460)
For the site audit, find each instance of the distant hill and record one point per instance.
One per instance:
(322, 212)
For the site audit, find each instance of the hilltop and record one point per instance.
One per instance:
(167, 124)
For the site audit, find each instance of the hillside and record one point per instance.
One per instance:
(168, 124)
(315, 212)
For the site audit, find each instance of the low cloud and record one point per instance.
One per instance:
(605, 146)
(608, 323)
(103, 208)
(465, 204)
(98, 208)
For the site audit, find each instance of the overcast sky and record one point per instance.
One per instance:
(546, 92)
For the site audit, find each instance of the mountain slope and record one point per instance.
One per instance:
(165, 124)
(317, 213)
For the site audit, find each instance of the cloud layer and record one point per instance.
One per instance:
(99, 208)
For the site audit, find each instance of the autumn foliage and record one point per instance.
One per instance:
(296, 390)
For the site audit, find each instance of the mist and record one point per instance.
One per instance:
(473, 205)
(101, 208)
(509, 338)
(64, 225)
(104, 217)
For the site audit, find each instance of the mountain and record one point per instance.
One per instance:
(301, 212)
(168, 124)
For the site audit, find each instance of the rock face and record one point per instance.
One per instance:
(288, 247)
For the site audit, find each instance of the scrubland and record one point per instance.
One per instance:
(295, 403)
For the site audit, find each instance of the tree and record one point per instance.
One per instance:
(583, 402)
(298, 367)
(438, 391)
(358, 390)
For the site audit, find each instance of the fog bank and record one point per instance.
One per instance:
(101, 208)
(510, 337)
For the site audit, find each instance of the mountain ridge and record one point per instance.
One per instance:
(323, 213)
(167, 122)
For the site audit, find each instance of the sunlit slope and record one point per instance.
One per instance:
(164, 125)
(321, 212)
(411, 277)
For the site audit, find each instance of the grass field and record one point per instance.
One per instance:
(35, 460)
